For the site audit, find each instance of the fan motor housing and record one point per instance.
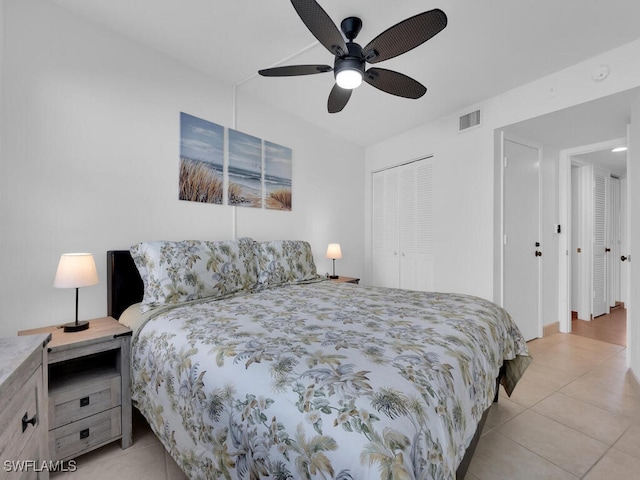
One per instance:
(353, 60)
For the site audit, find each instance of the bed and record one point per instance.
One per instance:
(247, 364)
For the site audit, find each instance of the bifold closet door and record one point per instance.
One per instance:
(601, 249)
(386, 269)
(403, 226)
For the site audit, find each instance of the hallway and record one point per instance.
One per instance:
(611, 328)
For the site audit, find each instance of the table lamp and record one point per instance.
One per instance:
(333, 252)
(76, 270)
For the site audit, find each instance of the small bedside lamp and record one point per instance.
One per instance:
(333, 252)
(76, 270)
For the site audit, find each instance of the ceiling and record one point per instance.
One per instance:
(598, 121)
(614, 162)
(488, 47)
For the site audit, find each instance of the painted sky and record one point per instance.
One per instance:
(201, 140)
(277, 160)
(245, 151)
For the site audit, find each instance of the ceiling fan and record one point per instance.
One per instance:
(350, 58)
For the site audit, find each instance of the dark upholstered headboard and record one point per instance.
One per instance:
(124, 285)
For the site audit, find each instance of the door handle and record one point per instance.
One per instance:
(26, 421)
(623, 258)
(607, 249)
(538, 253)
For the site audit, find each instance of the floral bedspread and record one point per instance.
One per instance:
(323, 380)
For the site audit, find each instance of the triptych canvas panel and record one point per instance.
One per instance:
(227, 167)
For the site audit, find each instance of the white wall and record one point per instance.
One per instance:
(464, 166)
(90, 162)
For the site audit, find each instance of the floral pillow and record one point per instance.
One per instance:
(285, 261)
(177, 272)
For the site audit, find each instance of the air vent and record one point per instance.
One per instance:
(469, 120)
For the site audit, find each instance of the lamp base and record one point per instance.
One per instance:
(333, 277)
(76, 327)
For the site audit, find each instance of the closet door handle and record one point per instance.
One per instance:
(623, 258)
(26, 421)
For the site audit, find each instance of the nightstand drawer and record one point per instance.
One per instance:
(80, 398)
(85, 434)
(21, 419)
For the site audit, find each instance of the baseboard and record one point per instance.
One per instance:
(550, 329)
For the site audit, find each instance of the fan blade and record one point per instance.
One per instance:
(338, 98)
(394, 83)
(321, 25)
(405, 36)
(294, 70)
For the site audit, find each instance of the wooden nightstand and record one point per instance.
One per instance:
(23, 410)
(89, 387)
(346, 280)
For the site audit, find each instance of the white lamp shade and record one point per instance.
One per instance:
(76, 270)
(334, 251)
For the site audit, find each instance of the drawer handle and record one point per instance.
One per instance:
(84, 401)
(84, 433)
(26, 421)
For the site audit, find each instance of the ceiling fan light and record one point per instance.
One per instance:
(349, 79)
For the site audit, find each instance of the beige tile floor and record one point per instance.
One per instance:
(574, 415)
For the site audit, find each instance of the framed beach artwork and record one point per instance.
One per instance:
(201, 160)
(224, 166)
(245, 170)
(277, 176)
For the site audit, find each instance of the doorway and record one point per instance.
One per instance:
(581, 274)
(610, 327)
(612, 116)
(598, 232)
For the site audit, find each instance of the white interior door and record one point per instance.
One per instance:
(576, 245)
(624, 244)
(599, 251)
(522, 249)
(614, 241)
(633, 239)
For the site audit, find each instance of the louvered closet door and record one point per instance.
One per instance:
(416, 226)
(386, 269)
(403, 226)
(600, 304)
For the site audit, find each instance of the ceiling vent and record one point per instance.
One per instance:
(469, 120)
